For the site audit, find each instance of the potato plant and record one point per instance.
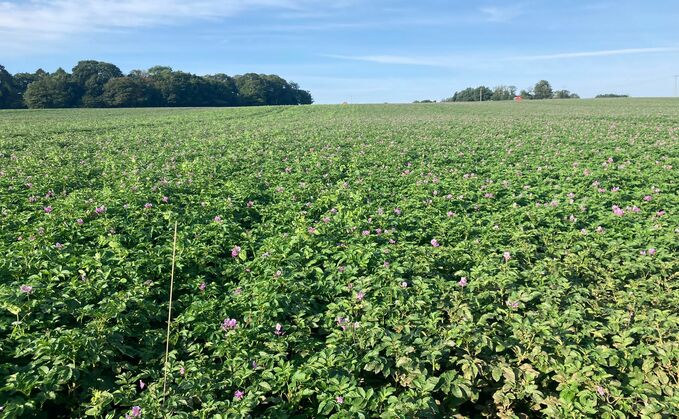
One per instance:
(499, 259)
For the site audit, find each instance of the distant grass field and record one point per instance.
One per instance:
(482, 259)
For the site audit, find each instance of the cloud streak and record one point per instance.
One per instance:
(458, 61)
(604, 53)
(500, 14)
(29, 21)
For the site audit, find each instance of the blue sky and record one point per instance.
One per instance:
(362, 51)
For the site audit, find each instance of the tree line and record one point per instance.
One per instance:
(609, 95)
(541, 90)
(95, 84)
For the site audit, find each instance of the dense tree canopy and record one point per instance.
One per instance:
(9, 95)
(100, 84)
(542, 90)
(471, 94)
(56, 90)
(609, 95)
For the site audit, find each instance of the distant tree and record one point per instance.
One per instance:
(158, 70)
(139, 74)
(303, 97)
(251, 89)
(565, 94)
(526, 94)
(542, 90)
(97, 83)
(610, 95)
(425, 101)
(55, 90)
(90, 77)
(224, 89)
(471, 94)
(130, 92)
(503, 93)
(22, 80)
(9, 96)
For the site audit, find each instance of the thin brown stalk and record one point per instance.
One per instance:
(169, 311)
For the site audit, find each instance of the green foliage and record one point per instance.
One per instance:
(9, 92)
(471, 94)
(55, 90)
(578, 318)
(130, 92)
(504, 93)
(565, 94)
(95, 84)
(542, 90)
(90, 77)
(610, 95)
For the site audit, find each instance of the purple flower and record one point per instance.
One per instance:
(600, 391)
(238, 395)
(339, 399)
(166, 199)
(48, 209)
(80, 221)
(617, 211)
(250, 204)
(58, 245)
(182, 371)
(512, 304)
(311, 230)
(136, 412)
(360, 296)
(651, 251)
(217, 219)
(279, 330)
(434, 243)
(235, 251)
(229, 324)
(202, 286)
(397, 211)
(462, 282)
(26, 289)
(648, 198)
(148, 205)
(326, 220)
(142, 384)
(660, 213)
(341, 322)
(366, 232)
(506, 256)
(100, 210)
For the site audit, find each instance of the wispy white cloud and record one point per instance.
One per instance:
(459, 61)
(603, 53)
(398, 59)
(500, 14)
(43, 20)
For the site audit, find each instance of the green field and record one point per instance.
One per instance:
(494, 259)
